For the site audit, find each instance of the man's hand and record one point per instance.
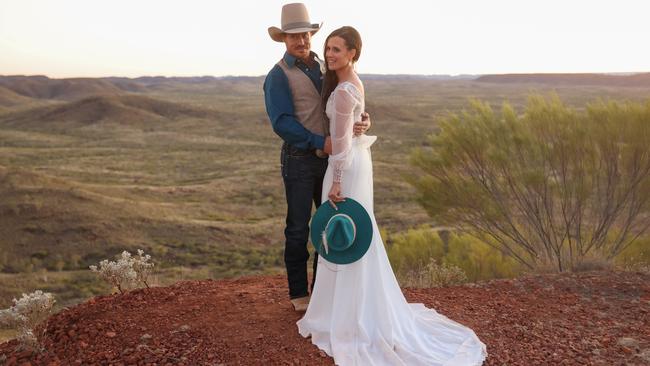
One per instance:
(328, 146)
(362, 126)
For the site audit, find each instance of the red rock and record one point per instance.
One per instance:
(525, 329)
(131, 360)
(111, 334)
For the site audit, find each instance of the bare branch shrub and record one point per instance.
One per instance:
(550, 187)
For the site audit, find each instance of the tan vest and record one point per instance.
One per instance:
(307, 103)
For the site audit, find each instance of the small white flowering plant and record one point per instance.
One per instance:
(28, 315)
(142, 267)
(126, 271)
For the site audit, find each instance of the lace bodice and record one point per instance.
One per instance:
(343, 108)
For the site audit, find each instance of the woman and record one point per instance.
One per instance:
(357, 313)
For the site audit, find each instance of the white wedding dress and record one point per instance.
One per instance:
(357, 313)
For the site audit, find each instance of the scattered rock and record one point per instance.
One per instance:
(628, 342)
(644, 355)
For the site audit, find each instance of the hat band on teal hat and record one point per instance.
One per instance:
(337, 233)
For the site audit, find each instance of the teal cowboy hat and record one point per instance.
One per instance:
(341, 235)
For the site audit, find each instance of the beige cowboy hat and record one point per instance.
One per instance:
(295, 19)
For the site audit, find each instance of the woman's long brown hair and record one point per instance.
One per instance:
(352, 40)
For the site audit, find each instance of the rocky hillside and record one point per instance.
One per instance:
(124, 109)
(593, 318)
(632, 80)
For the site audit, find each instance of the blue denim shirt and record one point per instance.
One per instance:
(279, 104)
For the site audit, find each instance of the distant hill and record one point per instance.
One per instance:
(124, 109)
(43, 87)
(49, 219)
(9, 98)
(150, 80)
(417, 77)
(631, 80)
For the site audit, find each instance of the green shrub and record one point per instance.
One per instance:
(414, 250)
(550, 187)
(433, 275)
(479, 260)
(636, 256)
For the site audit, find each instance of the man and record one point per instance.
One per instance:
(293, 103)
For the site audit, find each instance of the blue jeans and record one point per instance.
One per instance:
(303, 173)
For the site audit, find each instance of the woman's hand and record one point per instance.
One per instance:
(335, 194)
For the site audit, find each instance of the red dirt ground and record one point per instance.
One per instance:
(593, 318)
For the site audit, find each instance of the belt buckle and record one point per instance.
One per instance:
(320, 153)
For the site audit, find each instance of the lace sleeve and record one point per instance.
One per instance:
(341, 131)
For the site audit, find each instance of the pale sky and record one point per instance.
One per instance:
(93, 38)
